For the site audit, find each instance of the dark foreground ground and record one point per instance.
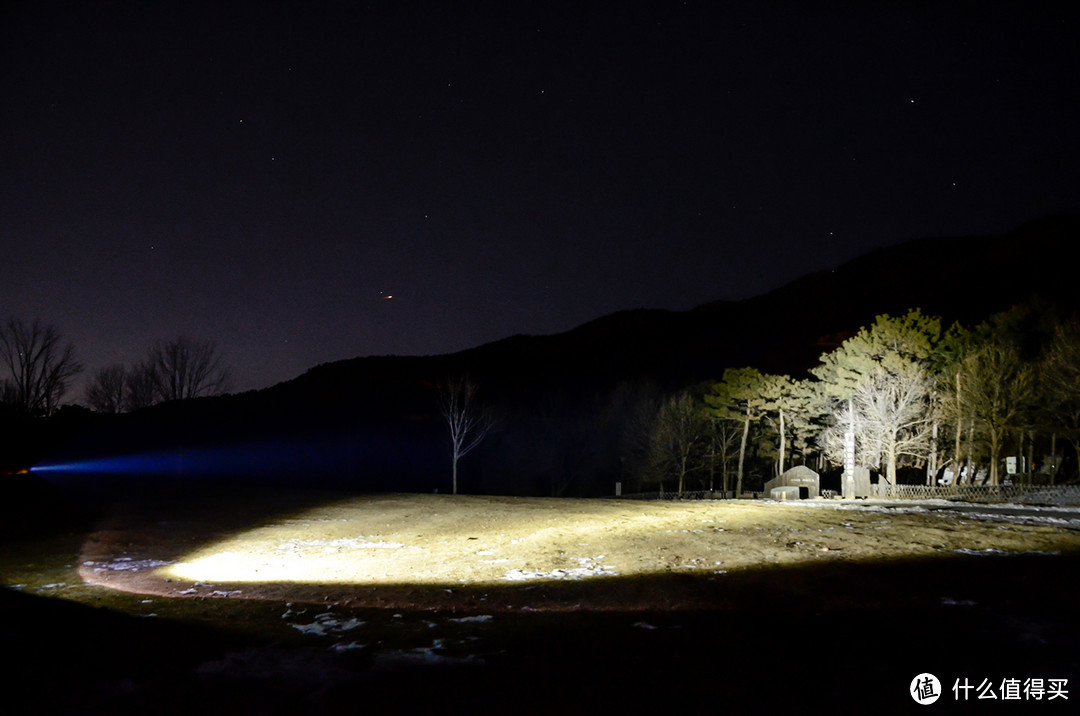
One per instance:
(788, 641)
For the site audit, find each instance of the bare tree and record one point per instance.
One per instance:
(184, 368)
(40, 366)
(679, 431)
(139, 388)
(107, 391)
(467, 421)
(999, 396)
(1061, 381)
(722, 439)
(8, 394)
(893, 411)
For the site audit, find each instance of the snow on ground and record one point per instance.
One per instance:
(336, 545)
(435, 651)
(125, 564)
(590, 567)
(1067, 516)
(323, 624)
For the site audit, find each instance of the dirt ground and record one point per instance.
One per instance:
(441, 551)
(255, 601)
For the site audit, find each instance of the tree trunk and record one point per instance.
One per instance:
(724, 471)
(1053, 456)
(783, 443)
(742, 453)
(932, 458)
(455, 474)
(1030, 471)
(995, 449)
(890, 465)
(959, 432)
(970, 458)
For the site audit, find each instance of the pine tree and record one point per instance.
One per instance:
(739, 396)
(878, 385)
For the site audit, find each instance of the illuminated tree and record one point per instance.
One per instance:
(739, 396)
(721, 438)
(956, 345)
(793, 409)
(890, 345)
(806, 417)
(39, 364)
(184, 368)
(1003, 378)
(998, 394)
(468, 422)
(878, 387)
(894, 415)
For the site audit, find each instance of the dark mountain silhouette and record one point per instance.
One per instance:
(567, 401)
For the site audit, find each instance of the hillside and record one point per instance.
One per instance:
(565, 401)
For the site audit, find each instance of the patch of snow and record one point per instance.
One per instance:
(478, 619)
(957, 602)
(328, 623)
(194, 588)
(1020, 519)
(588, 568)
(515, 575)
(337, 544)
(990, 551)
(126, 564)
(343, 646)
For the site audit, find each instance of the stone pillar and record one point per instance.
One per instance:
(849, 464)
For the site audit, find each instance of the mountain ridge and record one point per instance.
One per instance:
(567, 399)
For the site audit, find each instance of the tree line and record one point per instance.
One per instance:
(41, 367)
(916, 399)
(914, 396)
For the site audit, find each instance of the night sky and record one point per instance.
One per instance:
(314, 181)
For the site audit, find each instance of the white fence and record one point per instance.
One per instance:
(1026, 494)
